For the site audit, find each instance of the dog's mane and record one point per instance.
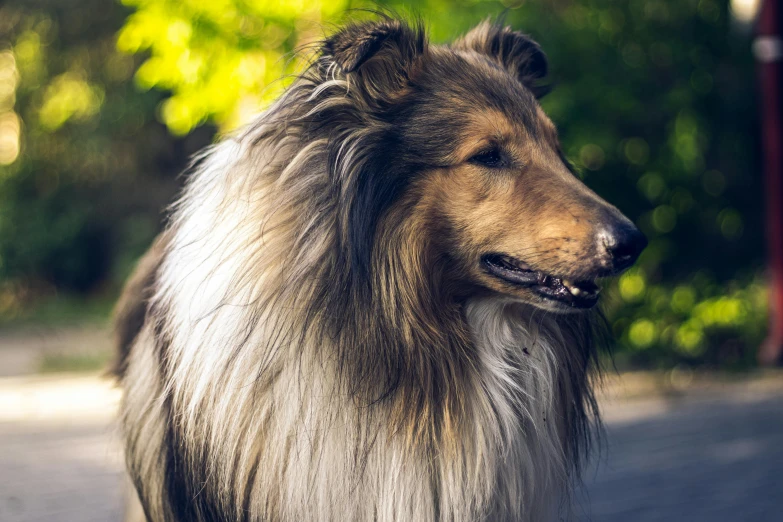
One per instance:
(292, 314)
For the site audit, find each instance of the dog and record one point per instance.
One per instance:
(377, 301)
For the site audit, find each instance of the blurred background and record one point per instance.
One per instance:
(658, 106)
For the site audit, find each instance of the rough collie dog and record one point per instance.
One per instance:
(371, 304)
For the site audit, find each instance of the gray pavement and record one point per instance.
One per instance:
(717, 459)
(711, 455)
(59, 473)
(60, 457)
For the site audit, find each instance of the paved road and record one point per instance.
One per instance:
(60, 458)
(715, 456)
(716, 459)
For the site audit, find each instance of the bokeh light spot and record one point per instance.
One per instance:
(664, 218)
(689, 338)
(592, 156)
(652, 186)
(730, 224)
(642, 333)
(9, 137)
(637, 151)
(9, 78)
(683, 299)
(632, 285)
(745, 10)
(69, 96)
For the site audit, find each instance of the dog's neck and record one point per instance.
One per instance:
(483, 427)
(523, 371)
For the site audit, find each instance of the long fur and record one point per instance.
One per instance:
(301, 356)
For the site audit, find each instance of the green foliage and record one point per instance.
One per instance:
(653, 100)
(84, 167)
(221, 58)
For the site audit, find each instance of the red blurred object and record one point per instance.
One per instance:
(768, 49)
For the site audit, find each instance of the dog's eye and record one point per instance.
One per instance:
(492, 158)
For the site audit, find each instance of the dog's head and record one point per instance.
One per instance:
(462, 152)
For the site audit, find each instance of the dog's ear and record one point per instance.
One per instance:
(380, 54)
(514, 51)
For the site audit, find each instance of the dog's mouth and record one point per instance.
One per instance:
(576, 294)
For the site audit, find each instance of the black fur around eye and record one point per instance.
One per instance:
(492, 158)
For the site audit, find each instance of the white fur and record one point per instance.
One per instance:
(260, 409)
(250, 397)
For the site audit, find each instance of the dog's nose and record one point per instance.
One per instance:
(622, 243)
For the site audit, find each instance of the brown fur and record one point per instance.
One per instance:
(320, 334)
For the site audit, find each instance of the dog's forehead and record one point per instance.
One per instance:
(476, 86)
